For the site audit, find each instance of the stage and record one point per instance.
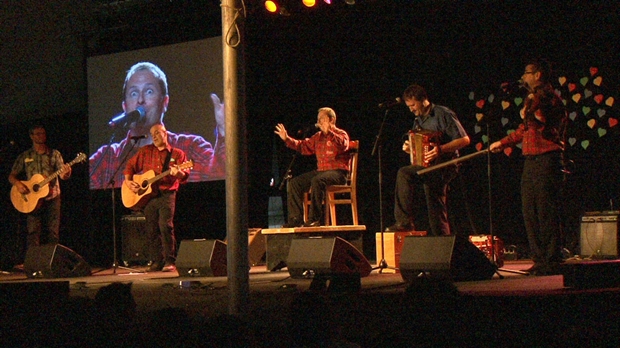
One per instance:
(510, 309)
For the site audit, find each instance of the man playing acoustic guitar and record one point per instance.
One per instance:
(159, 157)
(44, 221)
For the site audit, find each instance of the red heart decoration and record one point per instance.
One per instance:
(508, 151)
(572, 86)
(598, 98)
(612, 122)
(593, 71)
(480, 103)
(479, 146)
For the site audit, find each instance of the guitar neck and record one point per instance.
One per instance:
(157, 177)
(55, 174)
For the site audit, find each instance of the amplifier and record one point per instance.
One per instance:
(599, 235)
(134, 243)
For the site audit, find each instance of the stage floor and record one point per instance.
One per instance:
(510, 309)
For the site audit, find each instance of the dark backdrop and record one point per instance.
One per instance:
(352, 58)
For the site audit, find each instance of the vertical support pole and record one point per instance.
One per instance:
(233, 20)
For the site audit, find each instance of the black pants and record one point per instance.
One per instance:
(435, 185)
(159, 215)
(44, 223)
(317, 181)
(541, 187)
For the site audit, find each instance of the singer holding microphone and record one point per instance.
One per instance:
(329, 145)
(542, 135)
(441, 120)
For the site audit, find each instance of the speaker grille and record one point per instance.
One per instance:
(599, 236)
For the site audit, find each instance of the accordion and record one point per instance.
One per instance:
(421, 142)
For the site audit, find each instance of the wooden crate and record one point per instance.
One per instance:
(393, 244)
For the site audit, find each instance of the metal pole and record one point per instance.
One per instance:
(233, 18)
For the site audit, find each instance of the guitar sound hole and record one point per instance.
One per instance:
(35, 188)
(145, 184)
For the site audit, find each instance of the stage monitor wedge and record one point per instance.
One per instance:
(310, 257)
(448, 257)
(202, 258)
(54, 261)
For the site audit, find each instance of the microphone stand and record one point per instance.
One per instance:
(493, 253)
(382, 264)
(110, 185)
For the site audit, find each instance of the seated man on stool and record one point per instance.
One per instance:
(330, 146)
(437, 119)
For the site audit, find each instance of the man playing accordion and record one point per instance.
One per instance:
(436, 137)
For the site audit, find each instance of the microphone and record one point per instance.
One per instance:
(308, 129)
(138, 137)
(125, 118)
(390, 103)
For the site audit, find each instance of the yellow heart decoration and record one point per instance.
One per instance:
(576, 97)
(562, 80)
(505, 104)
(609, 101)
(479, 117)
(591, 123)
(597, 81)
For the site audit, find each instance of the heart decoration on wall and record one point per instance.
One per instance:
(597, 81)
(593, 70)
(598, 98)
(585, 144)
(572, 115)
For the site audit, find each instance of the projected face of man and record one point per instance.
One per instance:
(144, 89)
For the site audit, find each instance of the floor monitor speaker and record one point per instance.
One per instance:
(448, 257)
(202, 258)
(54, 261)
(325, 256)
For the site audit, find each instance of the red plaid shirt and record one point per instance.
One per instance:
(150, 158)
(330, 149)
(544, 119)
(209, 161)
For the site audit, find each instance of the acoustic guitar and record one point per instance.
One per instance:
(38, 187)
(137, 200)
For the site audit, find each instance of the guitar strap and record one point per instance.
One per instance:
(167, 161)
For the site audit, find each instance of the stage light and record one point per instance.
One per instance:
(329, 2)
(309, 3)
(271, 6)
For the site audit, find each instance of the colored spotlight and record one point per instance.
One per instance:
(271, 6)
(309, 3)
